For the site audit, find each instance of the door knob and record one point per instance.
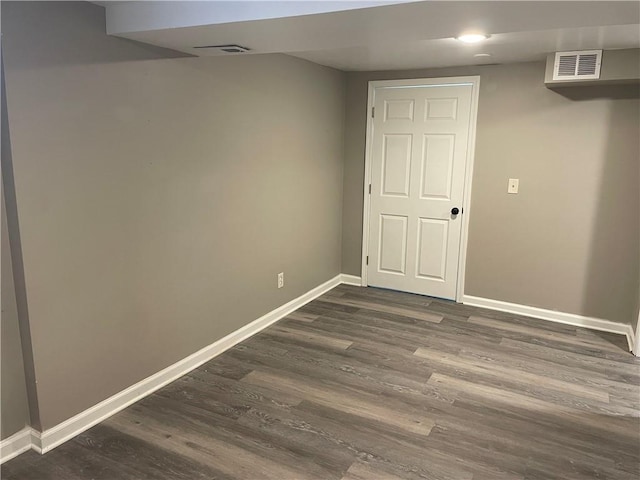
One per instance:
(455, 211)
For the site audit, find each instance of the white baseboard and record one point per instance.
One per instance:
(51, 438)
(635, 340)
(16, 444)
(553, 316)
(351, 280)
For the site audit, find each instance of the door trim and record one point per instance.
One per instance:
(468, 174)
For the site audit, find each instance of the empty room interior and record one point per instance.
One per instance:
(331, 240)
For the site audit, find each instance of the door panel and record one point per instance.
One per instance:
(441, 109)
(398, 109)
(396, 165)
(433, 237)
(393, 244)
(437, 166)
(418, 160)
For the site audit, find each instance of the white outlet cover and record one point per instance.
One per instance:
(514, 183)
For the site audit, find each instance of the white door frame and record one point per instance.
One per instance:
(468, 174)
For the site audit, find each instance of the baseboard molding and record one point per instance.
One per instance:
(351, 280)
(553, 316)
(635, 340)
(51, 438)
(16, 444)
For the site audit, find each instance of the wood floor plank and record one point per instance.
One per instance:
(575, 339)
(125, 451)
(302, 317)
(379, 294)
(625, 369)
(355, 403)
(417, 313)
(302, 336)
(534, 379)
(537, 362)
(393, 450)
(363, 335)
(365, 471)
(619, 429)
(350, 375)
(195, 437)
(371, 384)
(541, 428)
(478, 429)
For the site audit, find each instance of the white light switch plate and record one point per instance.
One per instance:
(513, 185)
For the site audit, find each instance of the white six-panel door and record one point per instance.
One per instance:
(418, 146)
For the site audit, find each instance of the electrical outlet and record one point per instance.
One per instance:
(514, 183)
(281, 280)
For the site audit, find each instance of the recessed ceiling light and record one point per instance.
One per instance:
(473, 37)
(479, 55)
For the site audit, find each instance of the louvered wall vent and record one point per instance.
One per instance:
(577, 65)
(226, 48)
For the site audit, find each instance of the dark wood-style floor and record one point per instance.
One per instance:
(367, 384)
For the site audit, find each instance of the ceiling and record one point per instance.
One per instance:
(384, 35)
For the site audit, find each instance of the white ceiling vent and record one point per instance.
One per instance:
(226, 48)
(578, 65)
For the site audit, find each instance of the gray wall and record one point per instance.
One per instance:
(569, 240)
(158, 199)
(14, 409)
(14, 406)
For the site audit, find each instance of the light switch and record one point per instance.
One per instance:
(513, 185)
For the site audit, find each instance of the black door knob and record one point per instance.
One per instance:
(455, 211)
